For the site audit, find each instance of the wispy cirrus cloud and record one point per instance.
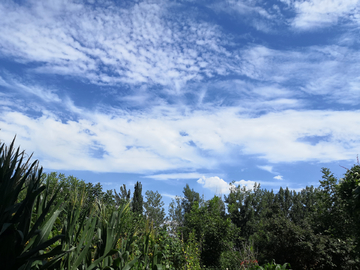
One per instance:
(175, 176)
(134, 45)
(312, 14)
(304, 15)
(270, 169)
(15, 84)
(169, 195)
(259, 14)
(144, 45)
(329, 71)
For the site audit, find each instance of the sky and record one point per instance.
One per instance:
(171, 93)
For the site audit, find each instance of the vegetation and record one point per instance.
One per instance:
(50, 221)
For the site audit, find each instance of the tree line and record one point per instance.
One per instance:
(53, 221)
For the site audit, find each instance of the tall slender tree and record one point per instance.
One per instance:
(137, 204)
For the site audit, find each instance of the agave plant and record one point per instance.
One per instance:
(27, 213)
(27, 216)
(90, 241)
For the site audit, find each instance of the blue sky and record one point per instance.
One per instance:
(176, 92)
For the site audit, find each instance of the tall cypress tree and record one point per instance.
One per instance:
(137, 205)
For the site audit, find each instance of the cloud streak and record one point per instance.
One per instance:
(174, 176)
(102, 142)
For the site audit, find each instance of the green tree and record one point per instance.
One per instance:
(154, 208)
(246, 206)
(95, 194)
(137, 202)
(76, 190)
(191, 197)
(176, 215)
(310, 229)
(123, 196)
(213, 230)
(279, 239)
(349, 191)
(180, 207)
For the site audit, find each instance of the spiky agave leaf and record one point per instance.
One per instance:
(21, 242)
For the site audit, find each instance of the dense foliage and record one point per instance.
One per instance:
(50, 221)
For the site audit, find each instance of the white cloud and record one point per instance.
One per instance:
(266, 168)
(251, 97)
(321, 13)
(269, 169)
(38, 91)
(297, 189)
(169, 195)
(328, 71)
(138, 44)
(257, 15)
(144, 44)
(122, 142)
(215, 184)
(247, 8)
(145, 49)
(245, 183)
(174, 176)
(220, 186)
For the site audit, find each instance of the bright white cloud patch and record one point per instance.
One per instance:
(248, 184)
(320, 13)
(215, 184)
(266, 168)
(220, 186)
(132, 143)
(278, 177)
